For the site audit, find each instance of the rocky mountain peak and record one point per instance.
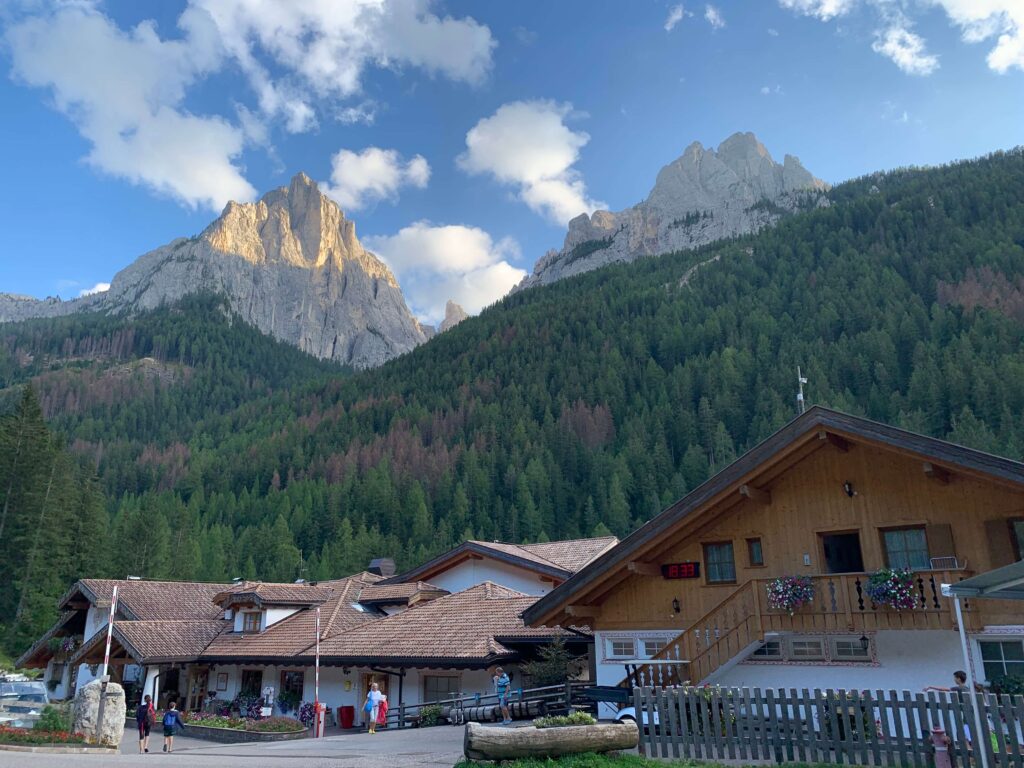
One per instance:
(453, 315)
(703, 195)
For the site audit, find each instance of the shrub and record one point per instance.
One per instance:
(273, 725)
(560, 721)
(1008, 685)
(54, 718)
(430, 715)
(553, 665)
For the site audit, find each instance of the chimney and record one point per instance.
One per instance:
(382, 566)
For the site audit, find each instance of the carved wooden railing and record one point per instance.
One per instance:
(840, 603)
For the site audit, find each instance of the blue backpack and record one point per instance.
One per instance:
(170, 718)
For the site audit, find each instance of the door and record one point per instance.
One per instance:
(842, 552)
(367, 679)
(198, 680)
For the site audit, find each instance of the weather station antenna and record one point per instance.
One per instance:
(800, 381)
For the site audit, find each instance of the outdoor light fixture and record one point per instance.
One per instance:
(864, 643)
(675, 604)
(848, 488)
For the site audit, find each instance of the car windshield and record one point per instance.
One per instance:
(24, 691)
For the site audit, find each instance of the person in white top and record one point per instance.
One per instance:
(371, 707)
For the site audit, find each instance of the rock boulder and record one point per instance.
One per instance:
(86, 715)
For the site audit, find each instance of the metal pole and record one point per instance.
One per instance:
(980, 747)
(318, 730)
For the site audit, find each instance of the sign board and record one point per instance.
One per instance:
(680, 570)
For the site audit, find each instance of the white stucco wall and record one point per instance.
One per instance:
(611, 671)
(470, 573)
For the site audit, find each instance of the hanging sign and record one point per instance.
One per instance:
(680, 570)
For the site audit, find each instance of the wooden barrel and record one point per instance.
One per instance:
(483, 742)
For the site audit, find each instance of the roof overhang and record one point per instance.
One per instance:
(473, 550)
(816, 429)
(39, 654)
(1006, 583)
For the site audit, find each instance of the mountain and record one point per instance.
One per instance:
(289, 264)
(574, 408)
(703, 196)
(453, 315)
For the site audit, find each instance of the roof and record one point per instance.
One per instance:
(816, 427)
(263, 593)
(149, 600)
(39, 653)
(399, 593)
(557, 559)
(151, 642)
(459, 629)
(297, 632)
(1006, 583)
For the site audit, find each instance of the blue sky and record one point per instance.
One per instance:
(459, 136)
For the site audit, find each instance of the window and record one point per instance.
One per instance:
(621, 648)
(906, 548)
(754, 553)
(770, 650)
(653, 647)
(1002, 658)
(440, 687)
(292, 682)
(807, 650)
(719, 563)
(57, 672)
(252, 682)
(850, 649)
(251, 622)
(1018, 537)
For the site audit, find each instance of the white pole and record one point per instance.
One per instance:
(980, 747)
(318, 730)
(110, 631)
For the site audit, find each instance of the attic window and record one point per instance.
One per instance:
(251, 621)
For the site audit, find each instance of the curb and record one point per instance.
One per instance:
(55, 750)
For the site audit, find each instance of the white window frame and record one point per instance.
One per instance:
(855, 644)
(610, 648)
(661, 641)
(791, 654)
(458, 685)
(779, 654)
(259, 622)
(1000, 641)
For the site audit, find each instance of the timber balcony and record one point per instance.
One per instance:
(740, 623)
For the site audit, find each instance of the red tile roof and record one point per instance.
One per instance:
(264, 593)
(399, 593)
(151, 600)
(155, 641)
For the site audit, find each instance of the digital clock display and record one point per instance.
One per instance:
(681, 570)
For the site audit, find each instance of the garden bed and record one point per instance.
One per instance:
(232, 730)
(35, 740)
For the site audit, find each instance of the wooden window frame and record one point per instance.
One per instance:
(241, 682)
(301, 673)
(707, 570)
(458, 688)
(750, 552)
(245, 619)
(897, 528)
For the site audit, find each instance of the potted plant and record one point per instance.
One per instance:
(892, 588)
(288, 701)
(790, 593)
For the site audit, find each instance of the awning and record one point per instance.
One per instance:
(1006, 583)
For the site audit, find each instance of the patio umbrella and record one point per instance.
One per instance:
(1006, 583)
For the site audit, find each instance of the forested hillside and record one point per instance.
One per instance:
(586, 405)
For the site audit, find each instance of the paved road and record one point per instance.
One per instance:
(439, 747)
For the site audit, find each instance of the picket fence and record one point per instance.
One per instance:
(825, 726)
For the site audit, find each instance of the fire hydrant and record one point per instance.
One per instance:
(941, 743)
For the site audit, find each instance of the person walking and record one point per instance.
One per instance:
(145, 716)
(372, 706)
(502, 685)
(171, 722)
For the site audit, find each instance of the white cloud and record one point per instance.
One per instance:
(365, 113)
(713, 16)
(98, 288)
(822, 9)
(675, 15)
(773, 32)
(124, 91)
(906, 49)
(527, 144)
(361, 178)
(769, 90)
(980, 20)
(437, 263)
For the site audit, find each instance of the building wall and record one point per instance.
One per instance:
(470, 573)
(611, 670)
(806, 501)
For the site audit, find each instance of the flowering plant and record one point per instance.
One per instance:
(10, 735)
(790, 593)
(893, 588)
(249, 707)
(306, 713)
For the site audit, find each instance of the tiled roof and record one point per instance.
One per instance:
(461, 627)
(39, 653)
(398, 593)
(574, 554)
(263, 593)
(298, 632)
(152, 600)
(156, 641)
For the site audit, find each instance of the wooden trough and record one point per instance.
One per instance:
(497, 743)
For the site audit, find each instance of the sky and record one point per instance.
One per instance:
(459, 136)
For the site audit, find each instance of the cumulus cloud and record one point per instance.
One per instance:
(906, 49)
(124, 92)
(675, 15)
(359, 179)
(436, 263)
(526, 144)
(713, 16)
(98, 288)
(978, 20)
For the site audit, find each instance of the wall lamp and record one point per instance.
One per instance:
(675, 604)
(864, 643)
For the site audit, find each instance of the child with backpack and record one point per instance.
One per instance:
(145, 716)
(172, 721)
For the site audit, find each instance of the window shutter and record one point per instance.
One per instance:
(940, 540)
(1000, 548)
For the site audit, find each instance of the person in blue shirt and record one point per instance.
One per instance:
(502, 686)
(171, 722)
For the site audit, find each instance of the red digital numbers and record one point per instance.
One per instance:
(681, 570)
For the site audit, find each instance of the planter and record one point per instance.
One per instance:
(237, 736)
(489, 743)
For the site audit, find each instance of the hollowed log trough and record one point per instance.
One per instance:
(498, 743)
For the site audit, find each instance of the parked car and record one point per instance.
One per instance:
(22, 702)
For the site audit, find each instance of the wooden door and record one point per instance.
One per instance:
(368, 678)
(198, 680)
